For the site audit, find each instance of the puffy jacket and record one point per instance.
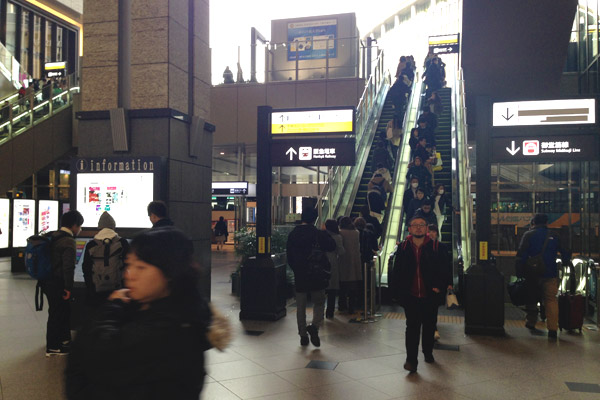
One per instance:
(299, 245)
(128, 353)
(63, 256)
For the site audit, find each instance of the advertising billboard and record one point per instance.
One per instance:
(4, 222)
(23, 221)
(47, 215)
(312, 40)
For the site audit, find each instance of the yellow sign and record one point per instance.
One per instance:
(483, 250)
(261, 245)
(443, 40)
(313, 121)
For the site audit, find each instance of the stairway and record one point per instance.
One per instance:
(361, 195)
(443, 137)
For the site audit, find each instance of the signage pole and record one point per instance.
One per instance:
(263, 183)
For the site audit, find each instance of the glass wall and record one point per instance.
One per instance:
(11, 28)
(582, 55)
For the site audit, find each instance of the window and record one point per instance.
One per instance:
(11, 28)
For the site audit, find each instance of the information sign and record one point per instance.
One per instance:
(545, 112)
(312, 40)
(545, 148)
(56, 69)
(444, 44)
(313, 152)
(340, 120)
(230, 188)
(4, 222)
(47, 215)
(23, 221)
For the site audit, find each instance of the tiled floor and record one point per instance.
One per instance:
(367, 358)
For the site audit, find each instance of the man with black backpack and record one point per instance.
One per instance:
(306, 255)
(103, 261)
(59, 286)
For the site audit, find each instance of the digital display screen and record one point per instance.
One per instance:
(47, 215)
(4, 222)
(23, 221)
(124, 195)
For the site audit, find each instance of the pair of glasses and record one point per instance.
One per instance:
(418, 225)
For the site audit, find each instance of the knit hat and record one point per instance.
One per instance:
(106, 221)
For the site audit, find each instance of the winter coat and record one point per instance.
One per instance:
(125, 352)
(63, 257)
(350, 265)
(413, 206)
(409, 194)
(221, 229)
(162, 223)
(334, 259)
(299, 245)
(433, 273)
(368, 245)
(428, 217)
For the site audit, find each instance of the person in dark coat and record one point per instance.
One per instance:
(426, 212)
(433, 76)
(221, 233)
(434, 234)
(300, 244)
(545, 285)
(417, 281)
(413, 141)
(59, 286)
(366, 214)
(157, 212)
(410, 193)
(422, 153)
(430, 118)
(415, 204)
(420, 171)
(148, 341)
(381, 155)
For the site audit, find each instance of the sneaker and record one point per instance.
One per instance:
(429, 358)
(531, 327)
(57, 352)
(314, 335)
(552, 335)
(303, 340)
(436, 336)
(410, 367)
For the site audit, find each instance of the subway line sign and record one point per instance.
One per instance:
(326, 120)
(544, 112)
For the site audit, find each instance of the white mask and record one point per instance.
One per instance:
(441, 191)
(414, 185)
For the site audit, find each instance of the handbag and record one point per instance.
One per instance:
(536, 267)
(451, 300)
(517, 292)
(438, 162)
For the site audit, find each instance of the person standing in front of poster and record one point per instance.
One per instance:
(58, 288)
(103, 261)
(157, 212)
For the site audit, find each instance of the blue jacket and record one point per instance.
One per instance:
(531, 245)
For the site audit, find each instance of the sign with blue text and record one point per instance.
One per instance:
(312, 40)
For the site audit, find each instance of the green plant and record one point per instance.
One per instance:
(245, 243)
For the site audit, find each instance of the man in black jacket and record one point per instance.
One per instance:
(59, 287)
(157, 212)
(300, 244)
(417, 280)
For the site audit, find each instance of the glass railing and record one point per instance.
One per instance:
(395, 225)
(11, 69)
(343, 181)
(35, 107)
(462, 224)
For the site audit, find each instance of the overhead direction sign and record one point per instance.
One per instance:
(339, 120)
(230, 188)
(444, 44)
(545, 112)
(544, 148)
(313, 152)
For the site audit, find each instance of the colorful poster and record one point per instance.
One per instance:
(47, 215)
(4, 222)
(312, 40)
(124, 195)
(23, 221)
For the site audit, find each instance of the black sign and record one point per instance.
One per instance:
(116, 165)
(544, 148)
(313, 152)
(56, 69)
(444, 44)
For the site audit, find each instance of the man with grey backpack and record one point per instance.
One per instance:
(103, 261)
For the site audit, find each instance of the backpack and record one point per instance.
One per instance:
(318, 270)
(107, 264)
(536, 267)
(38, 262)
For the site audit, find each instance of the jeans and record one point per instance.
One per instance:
(421, 318)
(58, 328)
(318, 298)
(544, 289)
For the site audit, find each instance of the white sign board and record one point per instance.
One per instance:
(23, 221)
(545, 112)
(4, 222)
(47, 215)
(312, 121)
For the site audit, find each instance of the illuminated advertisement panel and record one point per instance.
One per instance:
(23, 221)
(47, 215)
(4, 222)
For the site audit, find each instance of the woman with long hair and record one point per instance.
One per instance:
(334, 257)
(350, 267)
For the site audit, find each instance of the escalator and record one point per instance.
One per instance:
(361, 195)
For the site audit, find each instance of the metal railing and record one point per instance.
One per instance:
(337, 193)
(35, 107)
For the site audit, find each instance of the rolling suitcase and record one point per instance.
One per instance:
(571, 309)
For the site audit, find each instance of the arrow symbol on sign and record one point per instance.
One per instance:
(513, 151)
(291, 152)
(507, 117)
(282, 128)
